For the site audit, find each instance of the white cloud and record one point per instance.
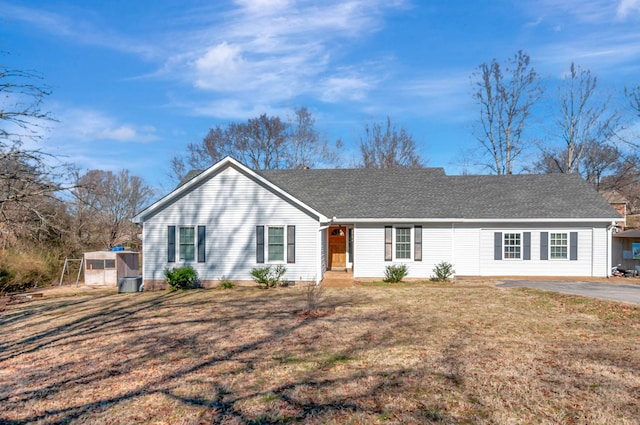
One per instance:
(626, 7)
(233, 109)
(220, 67)
(86, 125)
(79, 30)
(596, 34)
(270, 52)
(585, 11)
(264, 5)
(448, 97)
(338, 88)
(261, 51)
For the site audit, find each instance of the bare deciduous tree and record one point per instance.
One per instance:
(587, 126)
(29, 178)
(305, 146)
(506, 99)
(385, 146)
(633, 94)
(104, 204)
(262, 143)
(259, 143)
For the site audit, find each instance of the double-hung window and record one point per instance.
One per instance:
(512, 246)
(276, 243)
(558, 246)
(187, 244)
(403, 243)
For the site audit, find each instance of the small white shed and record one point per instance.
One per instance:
(107, 267)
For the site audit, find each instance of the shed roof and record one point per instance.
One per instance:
(633, 233)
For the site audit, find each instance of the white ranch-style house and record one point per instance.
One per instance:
(230, 219)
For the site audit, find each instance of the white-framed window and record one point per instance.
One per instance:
(187, 242)
(403, 243)
(558, 246)
(276, 242)
(512, 246)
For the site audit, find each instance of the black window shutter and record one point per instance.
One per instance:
(171, 244)
(526, 246)
(417, 243)
(202, 244)
(497, 246)
(388, 245)
(573, 246)
(291, 244)
(259, 244)
(544, 245)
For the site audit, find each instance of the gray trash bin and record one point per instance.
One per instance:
(130, 284)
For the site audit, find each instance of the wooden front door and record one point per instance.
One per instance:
(337, 247)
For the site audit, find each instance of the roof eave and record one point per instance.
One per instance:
(472, 220)
(226, 162)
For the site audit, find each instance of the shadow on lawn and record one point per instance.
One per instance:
(149, 327)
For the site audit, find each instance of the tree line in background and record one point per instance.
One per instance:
(585, 134)
(50, 210)
(269, 143)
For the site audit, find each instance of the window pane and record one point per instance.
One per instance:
(558, 246)
(512, 245)
(276, 244)
(403, 243)
(95, 264)
(109, 264)
(187, 243)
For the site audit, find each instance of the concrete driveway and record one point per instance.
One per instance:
(609, 291)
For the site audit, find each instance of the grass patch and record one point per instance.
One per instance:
(402, 353)
(383, 284)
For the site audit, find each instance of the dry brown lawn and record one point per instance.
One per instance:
(411, 354)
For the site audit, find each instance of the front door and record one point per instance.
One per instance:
(337, 247)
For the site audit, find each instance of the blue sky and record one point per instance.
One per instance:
(135, 81)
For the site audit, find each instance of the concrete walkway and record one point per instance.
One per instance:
(628, 293)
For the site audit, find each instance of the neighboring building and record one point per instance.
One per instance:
(626, 250)
(619, 203)
(230, 219)
(107, 267)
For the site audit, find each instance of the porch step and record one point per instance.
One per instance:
(337, 279)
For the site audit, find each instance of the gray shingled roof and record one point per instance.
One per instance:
(428, 193)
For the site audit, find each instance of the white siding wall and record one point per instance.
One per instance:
(466, 239)
(583, 266)
(601, 244)
(471, 251)
(368, 250)
(437, 246)
(230, 205)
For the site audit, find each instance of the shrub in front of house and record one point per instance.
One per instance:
(442, 271)
(395, 273)
(226, 283)
(269, 277)
(184, 277)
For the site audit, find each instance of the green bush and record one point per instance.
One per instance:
(442, 271)
(184, 277)
(268, 277)
(395, 273)
(226, 283)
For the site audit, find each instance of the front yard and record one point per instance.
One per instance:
(410, 354)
